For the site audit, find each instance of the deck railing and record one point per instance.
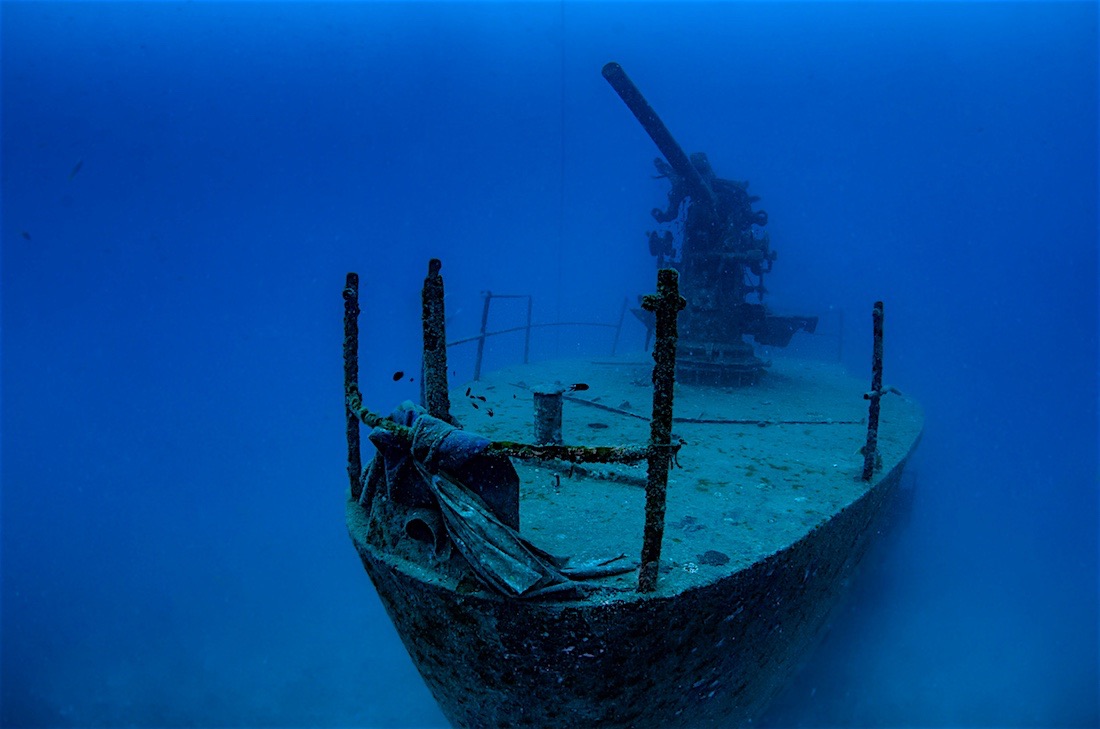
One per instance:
(657, 453)
(484, 334)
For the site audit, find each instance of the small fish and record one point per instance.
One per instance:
(467, 392)
(76, 169)
(597, 426)
(513, 396)
(490, 411)
(25, 235)
(398, 375)
(412, 379)
(578, 387)
(480, 397)
(475, 405)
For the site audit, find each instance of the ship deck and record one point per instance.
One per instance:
(741, 491)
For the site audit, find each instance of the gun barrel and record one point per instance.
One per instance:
(657, 131)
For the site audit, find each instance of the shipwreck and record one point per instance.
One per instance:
(646, 541)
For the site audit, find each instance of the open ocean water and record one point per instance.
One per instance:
(184, 186)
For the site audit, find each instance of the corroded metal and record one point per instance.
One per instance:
(548, 415)
(514, 449)
(722, 251)
(435, 345)
(713, 641)
(577, 454)
(351, 379)
(666, 304)
(658, 132)
(870, 451)
(713, 656)
(355, 405)
(479, 357)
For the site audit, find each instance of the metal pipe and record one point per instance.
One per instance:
(619, 327)
(666, 304)
(435, 344)
(351, 381)
(658, 132)
(521, 328)
(870, 451)
(481, 337)
(527, 334)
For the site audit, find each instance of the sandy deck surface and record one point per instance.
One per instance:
(742, 491)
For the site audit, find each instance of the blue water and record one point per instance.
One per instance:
(173, 548)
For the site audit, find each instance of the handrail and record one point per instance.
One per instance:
(515, 449)
(483, 334)
(512, 330)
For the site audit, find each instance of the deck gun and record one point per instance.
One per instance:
(721, 253)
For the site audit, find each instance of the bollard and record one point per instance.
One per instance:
(548, 415)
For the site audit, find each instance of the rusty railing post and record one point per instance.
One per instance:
(870, 451)
(666, 304)
(435, 344)
(527, 333)
(619, 327)
(351, 381)
(481, 340)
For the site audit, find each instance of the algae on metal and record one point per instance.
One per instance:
(435, 345)
(666, 304)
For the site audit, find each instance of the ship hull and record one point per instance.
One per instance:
(713, 655)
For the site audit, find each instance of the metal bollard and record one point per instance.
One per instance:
(548, 415)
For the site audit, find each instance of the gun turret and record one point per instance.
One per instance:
(721, 250)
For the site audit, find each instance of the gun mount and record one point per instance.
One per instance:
(722, 253)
